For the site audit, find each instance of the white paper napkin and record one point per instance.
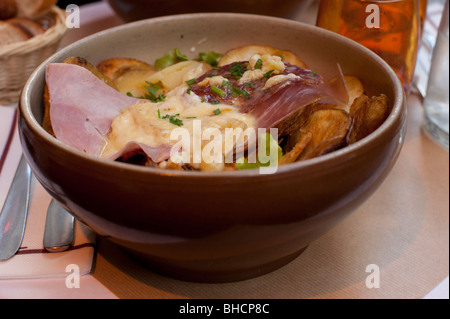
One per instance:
(32, 260)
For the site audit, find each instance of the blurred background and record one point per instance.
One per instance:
(65, 3)
(131, 10)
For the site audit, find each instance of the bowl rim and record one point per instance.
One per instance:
(398, 105)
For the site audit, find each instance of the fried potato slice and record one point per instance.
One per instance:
(179, 73)
(355, 89)
(246, 52)
(115, 67)
(294, 153)
(367, 115)
(133, 82)
(89, 66)
(329, 128)
(128, 75)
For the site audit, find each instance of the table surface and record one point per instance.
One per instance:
(403, 229)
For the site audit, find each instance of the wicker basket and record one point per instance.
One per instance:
(18, 60)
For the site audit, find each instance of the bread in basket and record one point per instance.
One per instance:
(28, 36)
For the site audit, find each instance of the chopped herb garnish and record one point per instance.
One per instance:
(282, 57)
(214, 102)
(191, 117)
(258, 64)
(152, 89)
(250, 84)
(313, 73)
(227, 84)
(237, 70)
(217, 91)
(172, 119)
(188, 91)
(191, 81)
(212, 75)
(209, 57)
(129, 94)
(268, 74)
(237, 91)
(175, 121)
(172, 57)
(159, 114)
(217, 111)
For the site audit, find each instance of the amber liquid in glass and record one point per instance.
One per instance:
(389, 28)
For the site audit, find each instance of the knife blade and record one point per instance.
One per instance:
(13, 216)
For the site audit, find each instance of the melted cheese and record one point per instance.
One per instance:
(149, 123)
(280, 78)
(269, 63)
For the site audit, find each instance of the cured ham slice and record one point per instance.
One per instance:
(83, 108)
(279, 106)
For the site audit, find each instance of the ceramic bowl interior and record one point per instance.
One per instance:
(216, 227)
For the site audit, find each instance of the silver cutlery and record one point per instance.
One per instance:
(59, 228)
(14, 213)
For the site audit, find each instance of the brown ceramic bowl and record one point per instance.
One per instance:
(216, 227)
(132, 10)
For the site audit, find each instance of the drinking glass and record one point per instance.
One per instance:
(436, 103)
(390, 28)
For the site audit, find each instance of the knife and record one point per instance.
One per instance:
(13, 216)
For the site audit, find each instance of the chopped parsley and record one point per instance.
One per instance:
(268, 73)
(313, 73)
(172, 118)
(237, 91)
(172, 57)
(152, 93)
(152, 90)
(217, 91)
(217, 111)
(258, 64)
(209, 57)
(237, 70)
(176, 121)
(188, 91)
(191, 81)
(227, 84)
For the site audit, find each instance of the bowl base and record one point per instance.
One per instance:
(212, 276)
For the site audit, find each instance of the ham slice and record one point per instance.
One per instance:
(280, 106)
(83, 108)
